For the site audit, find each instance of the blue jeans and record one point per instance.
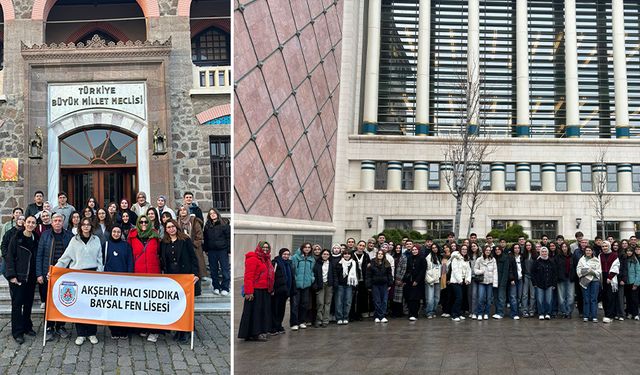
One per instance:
(343, 302)
(543, 296)
(515, 295)
(222, 258)
(590, 296)
(565, 297)
(432, 294)
(380, 296)
(485, 292)
(500, 299)
(528, 296)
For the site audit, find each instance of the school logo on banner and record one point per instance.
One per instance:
(68, 293)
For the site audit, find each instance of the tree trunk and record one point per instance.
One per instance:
(456, 224)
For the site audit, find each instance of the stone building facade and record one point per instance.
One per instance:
(164, 70)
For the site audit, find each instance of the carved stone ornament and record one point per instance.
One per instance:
(35, 145)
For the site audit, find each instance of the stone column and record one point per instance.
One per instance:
(444, 169)
(522, 70)
(523, 177)
(370, 111)
(497, 176)
(625, 184)
(394, 175)
(422, 83)
(620, 70)
(548, 171)
(420, 175)
(627, 229)
(598, 171)
(574, 177)
(420, 226)
(473, 64)
(526, 226)
(572, 104)
(368, 175)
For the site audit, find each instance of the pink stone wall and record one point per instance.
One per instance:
(286, 65)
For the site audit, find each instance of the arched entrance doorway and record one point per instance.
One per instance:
(99, 162)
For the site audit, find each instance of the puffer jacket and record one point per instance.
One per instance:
(217, 236)
(146, 257)
(543, 273)
(633, 270)
(303, 270)
(565, 267)
(379, 274)
(46, 252)
(489, 268)
(434, 271)
(460, 269)
(255, 273)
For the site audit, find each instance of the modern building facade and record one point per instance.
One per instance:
(112, 97)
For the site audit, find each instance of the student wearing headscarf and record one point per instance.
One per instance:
(283, 289)
(117, 257)
(258, 285)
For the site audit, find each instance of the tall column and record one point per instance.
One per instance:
(625, 184)
(571, 70)
(394, 175)
(620, 70)
(422, 83)
(497, 176)
(420, 175)
(598, 171)
(420, 226)
(548, 171)
(627, 229)
(522, 70)
(368, 175)
(444, 169)
(574, 177)
(473, 65)
(523, 177)
(370, 112)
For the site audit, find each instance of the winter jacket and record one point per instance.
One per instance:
(117, 256)
(588, 270)
(33, 209)
(303, 270)
(195, 210)
(606, 261)
(179, 257)
(339, 276)
(513, 268)
(81, 256)
(416, 269)
(140, 210)
(633, 270)
(282, 286)
(21, 258)
(255, 273)
(565, 267)
(217, 236)
(6, 239)
(47, 255)
(434, 271)
(317, 274)
(623, 275)
(502, 264)
(488, 268)
(543, 273)
(460, 269)
(379, 274)
(362, 265)
(146, 257)
(527, 264)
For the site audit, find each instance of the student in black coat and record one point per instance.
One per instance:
(284, 287)
(414, 281)
(118, 257)
(566, 276)
(325, 281)
(217, 245)
(379, 281)
(360, 306)
(544, 278)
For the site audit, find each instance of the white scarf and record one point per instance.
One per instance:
(349, 271)
(615, 268)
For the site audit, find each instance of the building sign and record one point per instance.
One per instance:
(9, 169)
(65, 98)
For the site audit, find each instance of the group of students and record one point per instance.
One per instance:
(467, 279)
(137, 239)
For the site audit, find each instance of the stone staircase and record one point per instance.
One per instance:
(208, 302)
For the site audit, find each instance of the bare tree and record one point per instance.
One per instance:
(476, 195)
(464, 151)
(601, 199)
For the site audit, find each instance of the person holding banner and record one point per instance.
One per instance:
(118, 257)
(258, 285)
(84, 253)
(21, 273)
(177, 256)
(50, 248)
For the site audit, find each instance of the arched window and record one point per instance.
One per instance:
(211, 47)
(103, 35)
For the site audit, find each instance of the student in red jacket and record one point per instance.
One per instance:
(258, 286)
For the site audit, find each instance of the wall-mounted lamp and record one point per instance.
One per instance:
(369, 221)
(35, 145)
(159, 142)
(578, 221)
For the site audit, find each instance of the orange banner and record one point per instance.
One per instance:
(121, 299)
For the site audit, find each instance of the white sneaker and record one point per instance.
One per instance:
(339, 322)
(216, 292)
(295, 328)
(606, 320)
(547, 317)
(384, 320)
(42, 305)
(93, 340)
(462, 317)
(637, 317)
(541, 317)
(486, 317)
(80, 340)
(345, 322)
(620, 318)
(479, 317)
(445, 315)
(585, 319)
(153, 337)
(455, 319)
(595, 320)
(303, 326)
(516, 317)
(473, 316)
(377, 320)
(496, 316)
(224, 293)
(413, 318)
